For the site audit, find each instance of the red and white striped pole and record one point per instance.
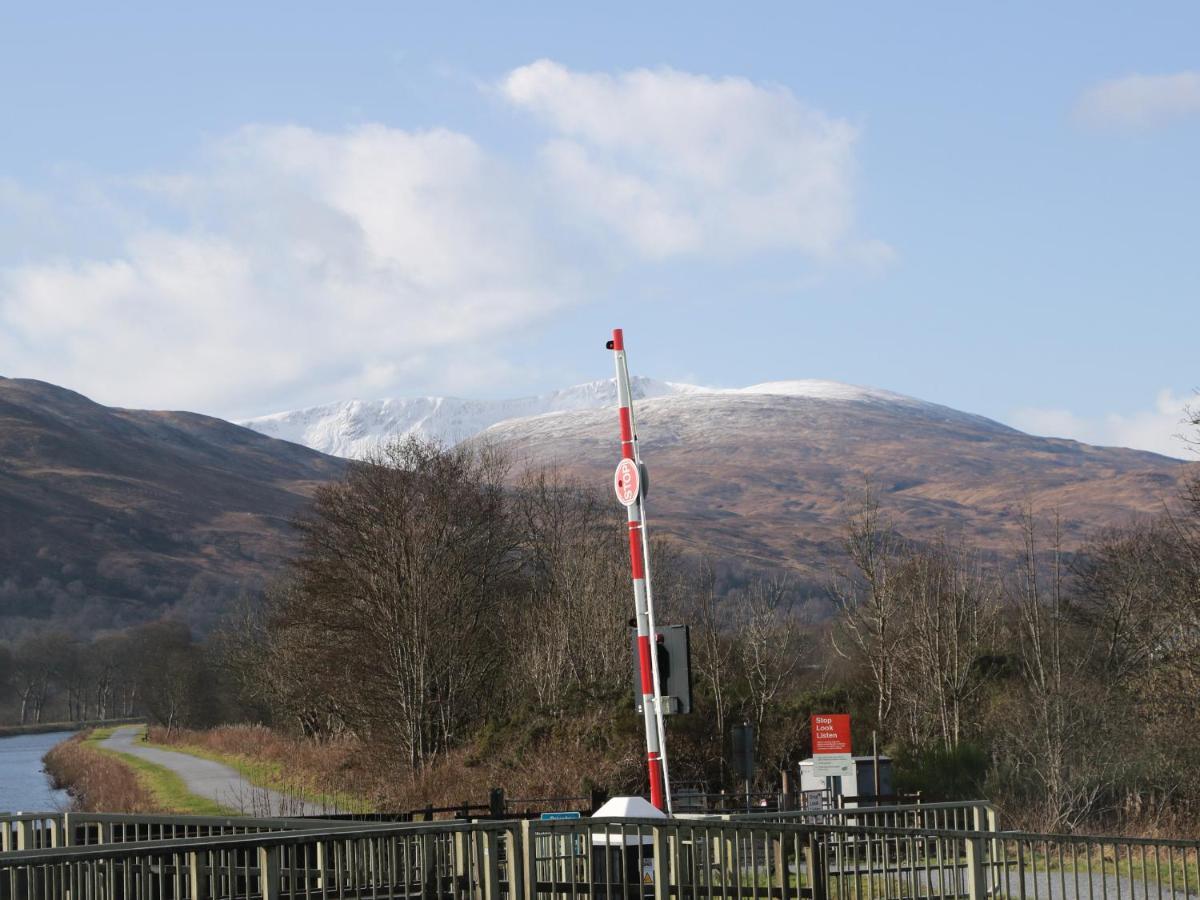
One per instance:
(629, 488)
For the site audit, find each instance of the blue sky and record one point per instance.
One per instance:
(255, 207)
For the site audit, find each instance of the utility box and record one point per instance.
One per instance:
(623, 859)
(861, 785)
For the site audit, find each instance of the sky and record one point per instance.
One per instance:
(245, 208)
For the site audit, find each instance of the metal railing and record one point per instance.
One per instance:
(347, 860)
(911, 863)
(30, 831)
(37, 831)
(684, 858)
(963, 815)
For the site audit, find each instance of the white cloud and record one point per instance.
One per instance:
(308, 259)
(681, 163)
(1157, 429)
(1140, 101)
(288, 266)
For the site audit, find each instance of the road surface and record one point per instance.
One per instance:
(212, 780)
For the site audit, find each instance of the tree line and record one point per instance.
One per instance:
(439, 603)
(159, 669)
(433, 598)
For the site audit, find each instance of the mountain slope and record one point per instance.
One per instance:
(111, 516)
(773, 472)
(355, 427)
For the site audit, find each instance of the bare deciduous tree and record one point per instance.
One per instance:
(768, 636)
(405, 569)
(1063, 741)
(950, 605)
(576, 598)
(870, 602)
(713, 653)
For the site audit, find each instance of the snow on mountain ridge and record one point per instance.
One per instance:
(354, 428)
(822, 390)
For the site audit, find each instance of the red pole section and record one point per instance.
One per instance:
(638, 570)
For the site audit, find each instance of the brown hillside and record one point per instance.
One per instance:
(773, 477)
(113, 516)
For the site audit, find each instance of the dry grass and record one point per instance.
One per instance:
(320, 771)
(95, 781)
(566, 759)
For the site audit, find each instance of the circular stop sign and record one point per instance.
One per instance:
(627, 482)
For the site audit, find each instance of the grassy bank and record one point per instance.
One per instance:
(533, 759)
(303, 769)
(95, 781)
(103, 780)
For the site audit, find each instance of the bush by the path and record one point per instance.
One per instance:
(95, 781)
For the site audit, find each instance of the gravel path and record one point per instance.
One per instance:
(212, 780)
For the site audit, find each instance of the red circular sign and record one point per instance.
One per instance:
(627, 482)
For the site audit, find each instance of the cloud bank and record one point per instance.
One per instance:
(1156, 429)
(341, 261)
(1139, 102)
(678, 163)
(288, 265)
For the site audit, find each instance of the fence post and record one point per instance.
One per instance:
(513, 856)
(491, 865)
(779, 860)
(429, 872)
(976, 882)
(815, 864)
(729, 856)
(320, 860)
(528, 860)
(268, 872)
(662, 863)
(986, 819)
(197, 875)
(477, 866)
(462, 863)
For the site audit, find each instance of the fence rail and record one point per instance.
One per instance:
(714, 857)
(967, 815)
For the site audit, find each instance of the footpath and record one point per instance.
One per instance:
(212, 780)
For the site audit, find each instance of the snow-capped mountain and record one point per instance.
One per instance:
(355, 427)
(771, 472)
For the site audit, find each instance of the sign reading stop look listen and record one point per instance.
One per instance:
(831, 745)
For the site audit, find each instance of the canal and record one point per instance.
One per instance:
(23, 785)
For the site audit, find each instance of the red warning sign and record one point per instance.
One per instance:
(627, 482)
(831, 733)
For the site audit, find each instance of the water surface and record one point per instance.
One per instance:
(24, 786)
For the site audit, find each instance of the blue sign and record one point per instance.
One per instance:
(553, 816)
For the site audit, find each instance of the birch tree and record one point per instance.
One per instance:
(870, 627)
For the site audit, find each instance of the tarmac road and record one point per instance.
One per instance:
(212, 780)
